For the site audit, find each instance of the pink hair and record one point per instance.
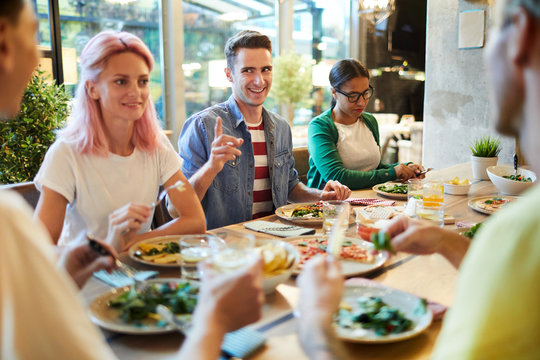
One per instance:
(85, 127)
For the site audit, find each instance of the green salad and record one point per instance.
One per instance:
(518, 178)
(394, 189)
(381, 241)
(134, 305)
(373, 313)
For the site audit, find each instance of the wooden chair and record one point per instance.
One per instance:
(301, 162)
(27, 190)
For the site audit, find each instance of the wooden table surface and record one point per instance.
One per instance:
(431, 277)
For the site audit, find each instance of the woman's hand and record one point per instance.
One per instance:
(415, 237)
(404, 172)
(125, 222)
(417, 169)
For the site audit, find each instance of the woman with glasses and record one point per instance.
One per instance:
(343, 141)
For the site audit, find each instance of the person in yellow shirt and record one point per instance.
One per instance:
(496, 312)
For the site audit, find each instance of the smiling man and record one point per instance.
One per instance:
(238, 155)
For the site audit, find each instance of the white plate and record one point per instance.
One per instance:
(285, 212)
(406, 303)
(387, 194)
(108, 318)
(472, 203)
(349, 267)
(159, 239)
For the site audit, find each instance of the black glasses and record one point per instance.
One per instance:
(353, 97)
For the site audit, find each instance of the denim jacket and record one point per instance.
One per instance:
(229, 199)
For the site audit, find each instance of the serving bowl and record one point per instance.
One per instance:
(507, 186)
(452, 189)
(272, 278)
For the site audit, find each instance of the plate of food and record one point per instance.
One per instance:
(392, 190)
(302, 213)
(357, 256)
(131, 310)
(373, 313)
(163, 251)
(490, 204)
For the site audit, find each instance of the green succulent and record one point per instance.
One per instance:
(486, 146)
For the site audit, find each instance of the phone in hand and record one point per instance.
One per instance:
(101, 247)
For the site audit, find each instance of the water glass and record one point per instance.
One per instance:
(430, 212)
(415, 188)
(331, 211)
(237, 252)
(196, 248)
(433, 192)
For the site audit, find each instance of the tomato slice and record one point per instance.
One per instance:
(365, 231)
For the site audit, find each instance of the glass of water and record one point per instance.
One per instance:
(331, 212)
(433, 212)
(237, 252)
(196, 248)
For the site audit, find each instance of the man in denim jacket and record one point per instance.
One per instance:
(217, 147)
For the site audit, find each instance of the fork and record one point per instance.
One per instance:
(123, 267)
(177, 185)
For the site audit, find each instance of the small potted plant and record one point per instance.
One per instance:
(485, 152)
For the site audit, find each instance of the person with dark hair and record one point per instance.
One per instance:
(343, 142)
(495, 313)
(41, 315)
(238, 155)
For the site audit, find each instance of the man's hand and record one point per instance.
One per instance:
(125, 222)
(334, 190)
(80, 261)
(321, 289)
(224, 148)
(415, 237)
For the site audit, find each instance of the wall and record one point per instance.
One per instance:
(456, 108)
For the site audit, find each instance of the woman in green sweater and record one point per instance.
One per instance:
(343, 141)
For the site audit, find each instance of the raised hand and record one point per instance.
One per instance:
(224, 148)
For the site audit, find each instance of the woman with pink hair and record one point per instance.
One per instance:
(104, 170)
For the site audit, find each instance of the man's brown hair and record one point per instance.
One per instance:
(11, 9)
(249, 39)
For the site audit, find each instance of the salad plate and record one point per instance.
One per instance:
(409, 307)
(386, 189)
(110, 318)
(312, 213)
(166, 257)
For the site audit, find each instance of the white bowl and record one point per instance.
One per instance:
(271, 282)
(452, 189)
(507, 186)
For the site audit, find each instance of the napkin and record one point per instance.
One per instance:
(369, 201)
(119, 279)
(278, 229)
(437, 309)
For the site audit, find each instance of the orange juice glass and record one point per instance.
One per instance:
(433, 193)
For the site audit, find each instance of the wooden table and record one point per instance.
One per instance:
(431, 277)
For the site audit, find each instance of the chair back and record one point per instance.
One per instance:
(301, 162)
(27, 190)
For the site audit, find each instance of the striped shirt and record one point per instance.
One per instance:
(262, 186)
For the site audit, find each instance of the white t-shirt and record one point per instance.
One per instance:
(357, 147)
(41, 316)
(95, 186)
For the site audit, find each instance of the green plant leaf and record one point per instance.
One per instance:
(486, 146)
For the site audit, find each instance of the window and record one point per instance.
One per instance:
(207, 26)
(80, 20)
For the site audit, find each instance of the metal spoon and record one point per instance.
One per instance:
(172, 320)
(515, 164)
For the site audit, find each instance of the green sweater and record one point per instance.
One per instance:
(324, 160)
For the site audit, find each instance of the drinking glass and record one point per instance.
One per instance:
(237, 252)
(331, 211)
(433, 192)
(196, 248)
(433, 212)
(415, 188)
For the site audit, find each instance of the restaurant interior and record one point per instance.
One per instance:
(431, 104)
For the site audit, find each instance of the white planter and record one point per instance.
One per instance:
(480, 164)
